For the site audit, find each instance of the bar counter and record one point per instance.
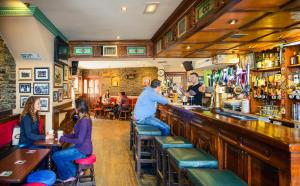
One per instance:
(259, 152)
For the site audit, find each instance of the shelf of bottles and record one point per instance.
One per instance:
(267, 60)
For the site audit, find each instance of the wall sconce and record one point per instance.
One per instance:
(115, 81)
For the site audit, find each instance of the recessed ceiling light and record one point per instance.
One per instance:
(124, 8)
(232, 21)
(151, 8)
(188, 47)
(118, 37)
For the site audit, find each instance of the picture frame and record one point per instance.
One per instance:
(23, 100)
(146, 81)
(55, 96)
(25, 74)
(58, 76)
(66, 72)
(60, 95)
(24, 87)
(41, 88)
(182, 26)
(65, 91)
(41, 74)
(44, 101)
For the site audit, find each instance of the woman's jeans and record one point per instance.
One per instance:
(153, 121)
(64, 162)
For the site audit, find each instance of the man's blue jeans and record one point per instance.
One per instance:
(153, 121)
(64, 162)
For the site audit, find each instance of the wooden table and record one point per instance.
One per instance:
(49, 143)
(19, 172)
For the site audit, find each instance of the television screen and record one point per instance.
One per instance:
(61, 50)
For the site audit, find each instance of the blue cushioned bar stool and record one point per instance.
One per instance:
(43, 176)
(162, 143)
(180, 159)
(213, 177)
(144, 146)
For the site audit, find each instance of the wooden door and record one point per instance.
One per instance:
(91, 90)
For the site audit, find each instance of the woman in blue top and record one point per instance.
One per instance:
(30, 124)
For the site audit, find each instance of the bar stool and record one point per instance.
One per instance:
(144, 145)
(123, 114)
(161, 144)
(86, 164)
(132, 125)
(212, 177)
(180, 159)
(43, 176)
(35, 184)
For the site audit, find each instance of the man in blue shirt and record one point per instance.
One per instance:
(145, 107)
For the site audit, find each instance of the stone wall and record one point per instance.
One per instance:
(7, 79)
(132, 86)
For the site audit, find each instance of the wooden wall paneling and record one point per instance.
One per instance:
(56, 111)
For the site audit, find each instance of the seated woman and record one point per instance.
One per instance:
(29, 131)
(82, 144)
(106, 98)
(122, 103)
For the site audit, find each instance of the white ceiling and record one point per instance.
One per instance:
(103, 19)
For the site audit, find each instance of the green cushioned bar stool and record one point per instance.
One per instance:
(213, 177)
(144, 146)
(180, 159)
(162, 143)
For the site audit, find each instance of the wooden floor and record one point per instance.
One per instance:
(114, 166)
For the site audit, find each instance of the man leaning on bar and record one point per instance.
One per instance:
(145, 108)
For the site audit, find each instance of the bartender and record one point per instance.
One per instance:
(197, 89)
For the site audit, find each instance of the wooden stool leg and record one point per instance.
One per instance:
(138, 156)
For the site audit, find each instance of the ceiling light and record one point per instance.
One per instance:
(151, 8)
(188, 47)
(232, 21)
(124, 8)
(118, 37)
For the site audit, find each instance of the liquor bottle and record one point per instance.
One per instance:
(294, 59)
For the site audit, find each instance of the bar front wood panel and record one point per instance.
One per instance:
(258, 152)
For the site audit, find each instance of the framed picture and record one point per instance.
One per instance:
(182, 26)
(55, 96)
(44, 101)
(60, 95)
(24, 87)
(66, 91)
(25, 74)
(58, 76)
(66, 72)
(146, 81)
(23, 100)
(41, 88)
(41, 74)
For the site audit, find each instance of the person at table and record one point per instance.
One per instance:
(197, 89)
(81, 138)
(106, 98)
(145, 108)
(122, 103)
(29, 126)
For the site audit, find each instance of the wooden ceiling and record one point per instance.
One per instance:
(260, 24)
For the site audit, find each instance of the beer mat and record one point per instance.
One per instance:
(20, 162)
(31, 151)
(6, 173)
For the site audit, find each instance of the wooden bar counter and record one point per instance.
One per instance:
(261, 153)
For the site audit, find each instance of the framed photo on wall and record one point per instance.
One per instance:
(41, 74)
(66, 91)
(182, 26)
(55, 96)
(24, 87)
(44, 101)
(58, 76)
(60, 95)
(23, 100)
(66, 72)
(25, 74)
(41, 88)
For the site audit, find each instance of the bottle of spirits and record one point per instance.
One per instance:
(294, 59)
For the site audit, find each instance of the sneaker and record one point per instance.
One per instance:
(69, 179)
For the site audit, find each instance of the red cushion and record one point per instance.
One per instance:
(41, 125)
(35, 184)
(86, 161)
(6, 130)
